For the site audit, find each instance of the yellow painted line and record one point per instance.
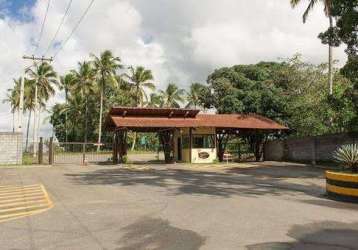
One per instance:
(26, 207)
(14, 187)
(20, 194)
(342, 176)
(17, 197)
(21, 215)
(17, 202)
(46, 194)
(43, 200)
(18, 188)
(20, 191)
(342, 190)
(30, 198)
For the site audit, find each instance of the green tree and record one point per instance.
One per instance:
(66, 83)
(345, 12)
(193, 96)
(172, 96)
(106, 66)
(154, 100)
(140, 80)
(328, 12)
(13, 98)
(45, 78)
(84, 84)
(74, 111)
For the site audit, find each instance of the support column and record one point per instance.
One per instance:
(173, 145)
(40, 152)
(120, 143)
(190, 144)
(115, 148)
(51, 152)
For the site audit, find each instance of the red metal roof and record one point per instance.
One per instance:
(153, 112)
(233, 121)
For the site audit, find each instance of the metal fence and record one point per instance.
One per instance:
(240, 151)
(81, 153)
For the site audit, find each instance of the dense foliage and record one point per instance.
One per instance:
(291, 92)
(345, 30)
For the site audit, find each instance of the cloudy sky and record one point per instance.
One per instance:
(180, 40)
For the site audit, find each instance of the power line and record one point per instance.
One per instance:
(60, 26)
(42, 26)
(74, 28)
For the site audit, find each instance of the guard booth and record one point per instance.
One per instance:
(186, 134)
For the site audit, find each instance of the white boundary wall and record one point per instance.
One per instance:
(10, 148)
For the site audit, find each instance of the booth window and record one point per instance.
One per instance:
(203, 141)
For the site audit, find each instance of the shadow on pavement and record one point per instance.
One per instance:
(157, 234)
(249, 182)
(332, 204)
(316, 236)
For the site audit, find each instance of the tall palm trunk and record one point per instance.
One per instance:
(28, 130)
(38, 124)
(330, 61)
(137, 104)
(13, 121)
(66, 130)
(34, 126)
(86, 122)
(100, 116)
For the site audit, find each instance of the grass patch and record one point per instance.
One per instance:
(28, 159)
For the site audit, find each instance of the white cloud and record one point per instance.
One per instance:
(180, 40)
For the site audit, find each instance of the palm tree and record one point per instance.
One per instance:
(44, 78)
(192, 97)
(84, 85)
(327, 10)
(29, 104)
(139, 80)
(172, 96)
(154, 100)
(74, 109)
(13, 98)
(105, 65)
(66, 84)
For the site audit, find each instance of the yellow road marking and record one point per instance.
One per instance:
(20, 191)
(27, 197)
(12, 187)
(21, 201)
(26, 207)
(4, 218)
(30, 198)
(20, 194)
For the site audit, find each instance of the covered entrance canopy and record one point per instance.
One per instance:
(193, 134)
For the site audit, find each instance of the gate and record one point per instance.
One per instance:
(80, 153)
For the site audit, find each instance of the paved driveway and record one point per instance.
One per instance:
(262, 206)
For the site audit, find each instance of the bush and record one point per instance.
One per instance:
(348, 156)
(124, 159)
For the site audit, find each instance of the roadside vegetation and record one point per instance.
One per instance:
(310, 99)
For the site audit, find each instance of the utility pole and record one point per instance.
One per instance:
(36, 110)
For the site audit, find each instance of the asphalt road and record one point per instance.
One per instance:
(263, 206)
